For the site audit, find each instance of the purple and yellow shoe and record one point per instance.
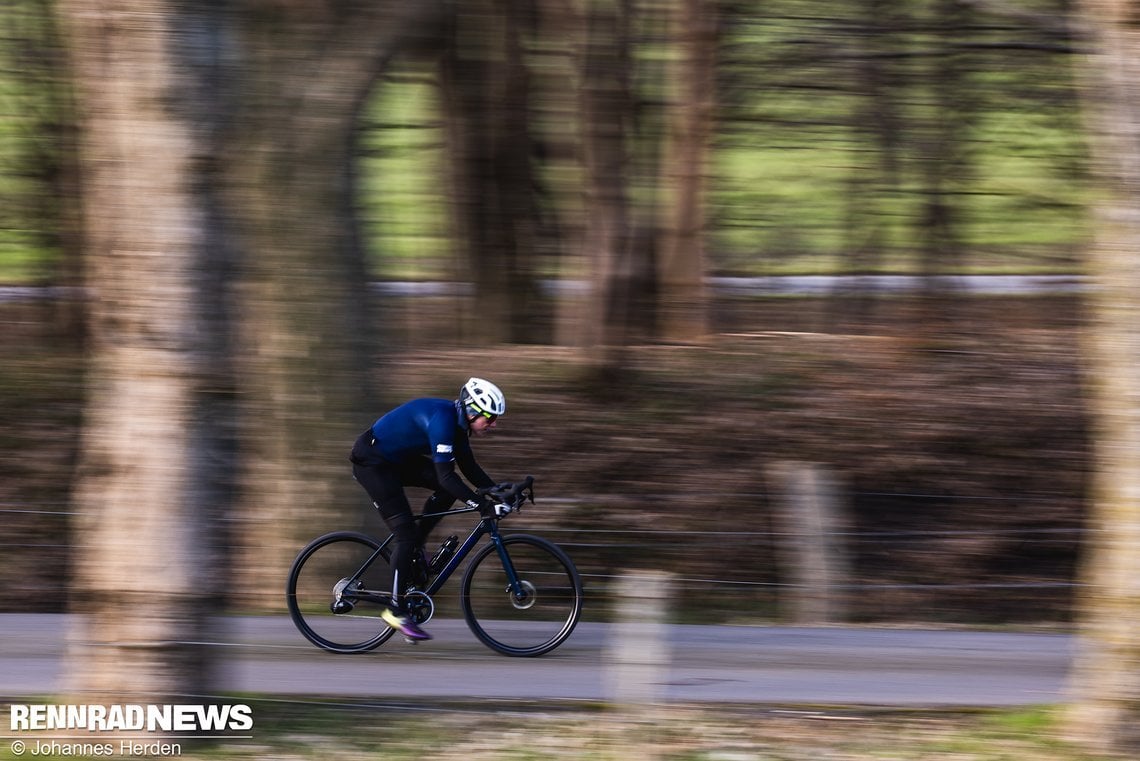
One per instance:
(404, 625)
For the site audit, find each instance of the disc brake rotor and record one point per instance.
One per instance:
(529, 598)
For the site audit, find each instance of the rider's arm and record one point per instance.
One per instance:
(448, 449)
(465, 459)
(450, 480)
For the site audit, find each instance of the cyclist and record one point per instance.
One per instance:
(419, 444)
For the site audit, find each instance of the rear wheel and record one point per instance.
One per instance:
(335, 592)
(536, 616)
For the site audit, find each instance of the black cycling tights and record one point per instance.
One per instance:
(385, 485)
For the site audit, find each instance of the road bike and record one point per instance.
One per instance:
(520, 594)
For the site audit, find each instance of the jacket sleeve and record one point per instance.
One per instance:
(450, 447)
(450, 480)
(470, 469)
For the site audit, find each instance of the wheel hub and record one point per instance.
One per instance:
(529, 596)
(340, 605)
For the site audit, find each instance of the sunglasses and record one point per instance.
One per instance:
(473, 410)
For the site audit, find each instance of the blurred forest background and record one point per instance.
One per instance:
(241, 230)
(740, 145)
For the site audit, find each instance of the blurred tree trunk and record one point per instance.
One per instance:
(879, 78)
(1104, 712)
(652, 105)
(683, 297)
(310, 338)
(607, 112)
(944, 147)
(559, 41)
(156, 470)
(486, 84)
(211, 128)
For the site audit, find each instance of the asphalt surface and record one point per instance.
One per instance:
(703, 664)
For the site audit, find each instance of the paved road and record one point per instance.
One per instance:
(709, 664)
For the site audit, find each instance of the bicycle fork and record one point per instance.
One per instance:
(516, 588)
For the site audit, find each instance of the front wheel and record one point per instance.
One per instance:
(335, 592)
(531, 617)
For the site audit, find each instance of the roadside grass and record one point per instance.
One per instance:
(682, 733)
(522, 732)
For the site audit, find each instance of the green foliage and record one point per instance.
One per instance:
(796, 181)
(32, 122)
(404, 205)
(799, 179)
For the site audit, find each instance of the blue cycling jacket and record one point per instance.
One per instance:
(432, 428)
(435, 429)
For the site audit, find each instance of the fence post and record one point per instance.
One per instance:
(811, 551)
(638, 650)
(637, 666)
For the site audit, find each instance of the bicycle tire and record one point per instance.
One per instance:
(311, 590)
(544, 618)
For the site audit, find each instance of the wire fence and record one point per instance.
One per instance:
(1012, 572)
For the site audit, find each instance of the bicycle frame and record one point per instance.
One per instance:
(485, 527)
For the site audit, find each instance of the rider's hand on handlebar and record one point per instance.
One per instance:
(503, 498)
(489, 507)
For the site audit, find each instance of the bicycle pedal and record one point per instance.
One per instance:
(411, 641)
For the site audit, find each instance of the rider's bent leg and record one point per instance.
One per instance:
(387, 492)
(404, 545)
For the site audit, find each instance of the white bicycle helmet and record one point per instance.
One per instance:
(483, 396)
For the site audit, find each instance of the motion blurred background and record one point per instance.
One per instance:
(692, 240)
